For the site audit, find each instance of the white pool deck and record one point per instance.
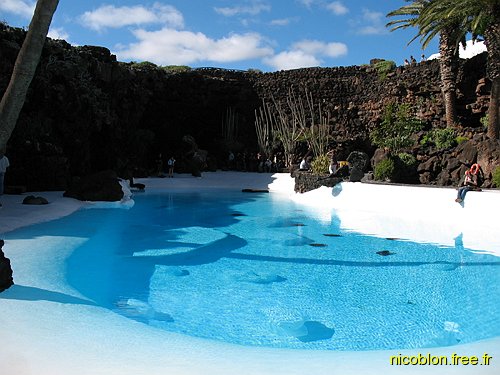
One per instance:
(47, 327)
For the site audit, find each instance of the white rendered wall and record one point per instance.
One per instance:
(423, 214)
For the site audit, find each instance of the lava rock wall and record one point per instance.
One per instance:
(86, 112)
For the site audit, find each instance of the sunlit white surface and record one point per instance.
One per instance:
(419, 214)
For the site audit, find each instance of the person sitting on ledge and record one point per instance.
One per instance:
(136, 185)
(472, 181)
(305, 164)
(334, 165)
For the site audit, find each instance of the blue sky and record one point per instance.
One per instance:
(268, 35)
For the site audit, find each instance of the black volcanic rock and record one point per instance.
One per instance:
(6, 280)
(86, 112)
(101, 186)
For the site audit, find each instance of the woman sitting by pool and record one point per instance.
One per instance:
(472, 181)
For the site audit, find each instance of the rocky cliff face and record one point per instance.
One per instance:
(87, 112)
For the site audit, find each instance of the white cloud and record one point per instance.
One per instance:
(173, 47)
(292, 60)
(306, 3)
(370, 23)
(253, 9)
(337, 8)
(110, 16)
(306, 53)
(21, 8)
(281, 22)
(58, 33)
(316, 47)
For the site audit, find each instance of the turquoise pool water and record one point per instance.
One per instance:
(257, 269)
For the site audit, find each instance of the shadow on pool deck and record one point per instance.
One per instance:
(29, 293)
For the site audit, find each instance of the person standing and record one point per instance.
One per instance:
(159, 166)
(171, 164)
(4, 164)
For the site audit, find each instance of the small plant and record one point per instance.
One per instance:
(384, 67)
(321, 164)
(384, 170)
(407, 159)
(485, 120)
(496, 177)
(396, 131)
(426, 140)
(461, 139)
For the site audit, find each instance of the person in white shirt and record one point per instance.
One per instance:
(305, 164)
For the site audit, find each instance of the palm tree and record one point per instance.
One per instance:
(24, 68)
(479, 17)
(417, 16)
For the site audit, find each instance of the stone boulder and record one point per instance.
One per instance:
(101, 186)
(358, 162)
(6, 280)
(356, 175)
(379, 155)
(307, 181)
(31, 199)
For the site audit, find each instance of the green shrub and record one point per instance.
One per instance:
(384, 170)
(254, 70)
(384, 67)
(426, 140)
(496, 177)
(143, 65)
(442, 138)
(396, 131)
(176, 68)
(321, 164)
(408, 159)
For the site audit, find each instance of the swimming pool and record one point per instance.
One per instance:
(260, 270)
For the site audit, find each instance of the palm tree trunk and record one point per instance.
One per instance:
(494, 110)
(24, 68)
(492, 42)
(448, 65)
